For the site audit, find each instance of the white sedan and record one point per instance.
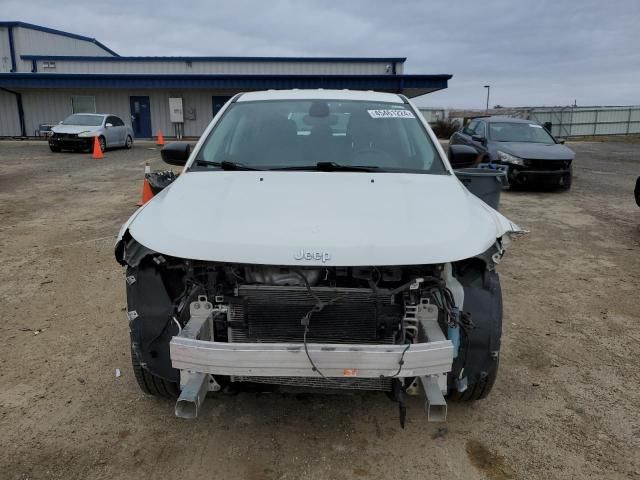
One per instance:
(77, 132)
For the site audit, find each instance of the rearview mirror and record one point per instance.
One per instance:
(176, 153)
(462, 156)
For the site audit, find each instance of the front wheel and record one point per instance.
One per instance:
(128, 143)
(103, 143)
(150, 383)
(54, 149)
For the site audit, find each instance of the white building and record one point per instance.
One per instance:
(47, 74)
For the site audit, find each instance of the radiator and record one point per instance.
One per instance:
(274, 313)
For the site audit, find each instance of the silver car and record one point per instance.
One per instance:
(77, 132)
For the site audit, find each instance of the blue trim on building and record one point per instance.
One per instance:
(410, 84)
(214, 59)
(12, 49)
(75, 36)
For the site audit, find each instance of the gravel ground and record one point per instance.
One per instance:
(566, 404)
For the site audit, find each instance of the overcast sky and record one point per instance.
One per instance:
(541, 52)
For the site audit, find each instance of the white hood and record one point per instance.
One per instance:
(74, 128)
(338, 218)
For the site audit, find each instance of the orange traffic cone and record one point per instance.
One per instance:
(147, 194)
(97, 151)
(160, 137)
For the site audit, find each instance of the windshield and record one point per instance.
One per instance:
(295, 134)
(518, 132)
(89, 120)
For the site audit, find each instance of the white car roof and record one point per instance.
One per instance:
(321, 94)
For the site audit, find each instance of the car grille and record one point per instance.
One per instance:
(535, 164)
(381, 384)
(65, 136)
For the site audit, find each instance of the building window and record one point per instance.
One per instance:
(49, 65)
(83, 104)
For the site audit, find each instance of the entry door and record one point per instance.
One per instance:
(140, 116)
(218, 102)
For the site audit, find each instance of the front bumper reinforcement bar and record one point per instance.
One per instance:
(194, 351)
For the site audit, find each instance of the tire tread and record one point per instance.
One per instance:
(151, 384)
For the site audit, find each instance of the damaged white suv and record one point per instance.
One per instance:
(319, 240)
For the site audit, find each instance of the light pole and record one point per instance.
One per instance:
(488, 87)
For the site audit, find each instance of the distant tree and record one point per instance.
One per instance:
(445, 128)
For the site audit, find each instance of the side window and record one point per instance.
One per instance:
(471, 127)
(116, 122)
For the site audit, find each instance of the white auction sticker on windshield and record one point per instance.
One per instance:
(390, 114)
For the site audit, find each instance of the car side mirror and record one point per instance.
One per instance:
(108, 125)
(462, 156)
(176, 153)
(478, 138)
(560, 140)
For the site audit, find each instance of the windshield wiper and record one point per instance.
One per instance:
(332, 167)
(225, 165)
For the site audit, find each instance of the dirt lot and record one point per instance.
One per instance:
(566, 404)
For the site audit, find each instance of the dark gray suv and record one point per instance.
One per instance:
(532, 154)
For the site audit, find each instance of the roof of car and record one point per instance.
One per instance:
(321, 94)
(499, 118)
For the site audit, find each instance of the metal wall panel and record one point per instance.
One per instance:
(9, 119)
(213, 67)
(5, 51)
(44, 107)
(433, 114)
(51, 106)
(34, 42)
(587, 121)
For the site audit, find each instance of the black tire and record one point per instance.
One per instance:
(150, 384)
(54, 149)
(128, 143)
(103, 143)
